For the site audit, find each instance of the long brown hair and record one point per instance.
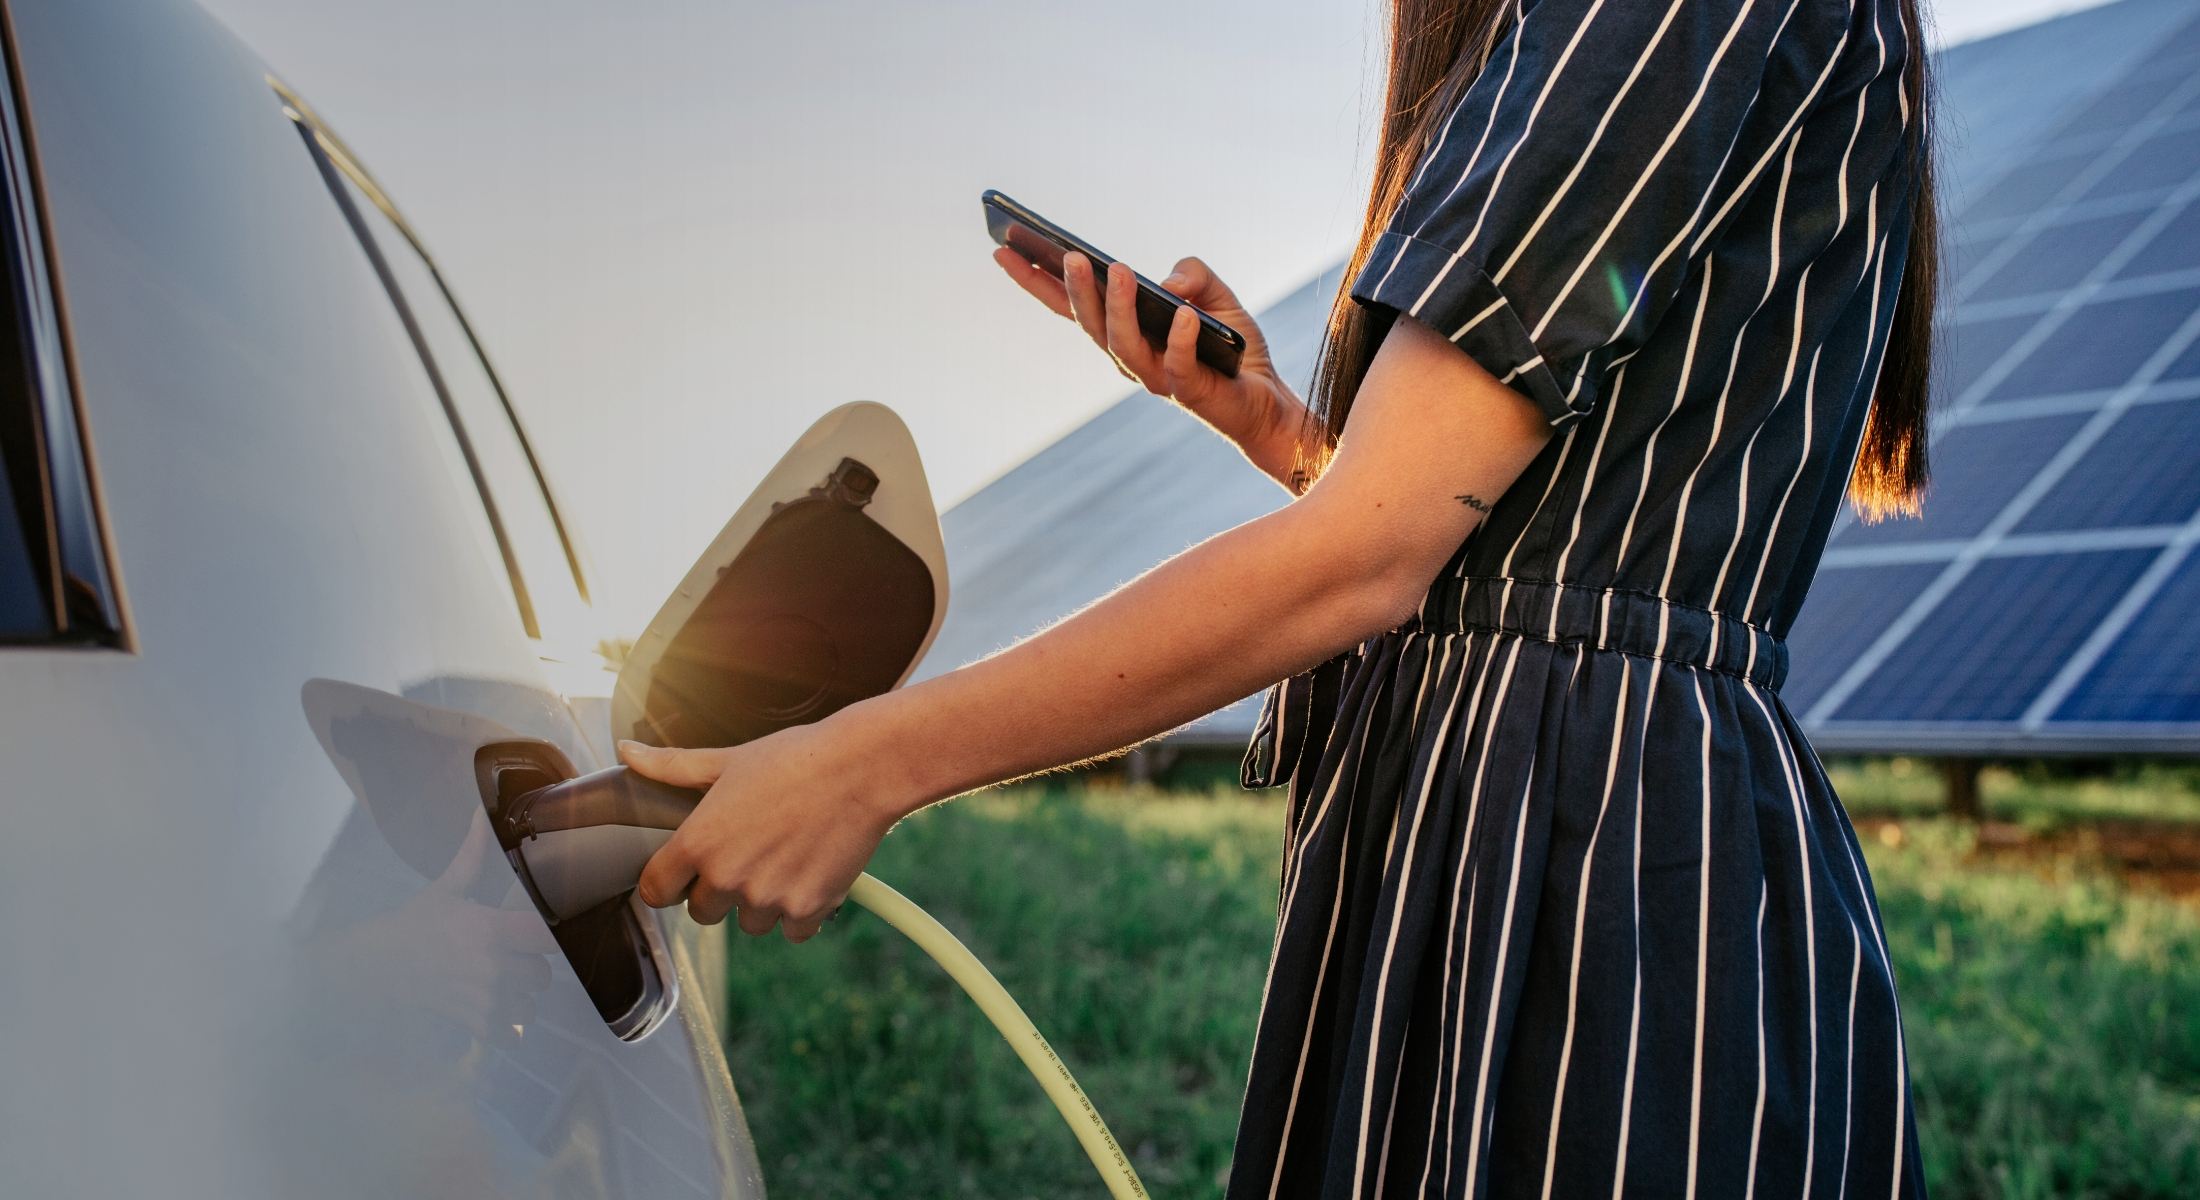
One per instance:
(1436, 50)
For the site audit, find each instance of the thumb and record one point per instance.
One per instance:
(1192, 280)
(680, 768)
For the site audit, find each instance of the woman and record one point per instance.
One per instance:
(1569, 907)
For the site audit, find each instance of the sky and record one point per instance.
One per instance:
(685, 229)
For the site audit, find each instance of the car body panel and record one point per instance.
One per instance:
(217, 975)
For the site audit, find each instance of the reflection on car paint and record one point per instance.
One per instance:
(434, 1028)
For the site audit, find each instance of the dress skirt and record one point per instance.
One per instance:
(1569, 909)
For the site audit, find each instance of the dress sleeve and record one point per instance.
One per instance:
(1549, 225)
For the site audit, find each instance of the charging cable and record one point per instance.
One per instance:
(1007, 1016)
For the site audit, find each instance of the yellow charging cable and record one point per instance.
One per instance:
(1007, 1016)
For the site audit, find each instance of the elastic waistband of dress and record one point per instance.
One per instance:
(1606, 619)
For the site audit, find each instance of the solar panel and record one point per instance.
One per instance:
(2151, 672)
(2060, 257)
(1977, 345)
(2098, 345)
(2049, 599)
(2186, 366)
(2026, 188)
(1838, 622)
(2000, 635)
(2141, 473)
(2175, 248)
(2159, 163)
(2120, 107)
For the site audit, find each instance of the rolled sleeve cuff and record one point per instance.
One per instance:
(1453, 297)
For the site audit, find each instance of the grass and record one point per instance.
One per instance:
(2053, 1015)
(2054, 1024)
(1135, 935)
(2039, 794)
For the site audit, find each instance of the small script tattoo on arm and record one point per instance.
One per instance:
(1474, 502)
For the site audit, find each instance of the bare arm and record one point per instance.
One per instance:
(792, 818)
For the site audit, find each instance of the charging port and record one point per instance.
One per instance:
(615, 949)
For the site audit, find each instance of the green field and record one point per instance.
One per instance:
(2040, 794)
(2054, 1016)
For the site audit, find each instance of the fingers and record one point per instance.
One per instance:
(709, 904)
(1194, 282)
(801, 928)
(1043, 287)
(667, 878)
(757, 920)
(1126, 340)
(1091, 298)
(680, 768)
(1188, 378)
(1086, 306)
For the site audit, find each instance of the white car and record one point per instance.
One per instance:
(285, 602)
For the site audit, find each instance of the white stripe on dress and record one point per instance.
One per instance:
(1793, 770)
(1497, 981)
(1321, 971)
(1634, 1021)
(1581, 917)
(1604, 122)
(1642, 181)
(1848, 1080)
(1497, 184)
(1471, 851)
(1496, 105)
(1451, 924)
(1680, 393)
(1703, 942)
(1718, 416)
(1757, 1123)
(1397, 919)
(1588, 484)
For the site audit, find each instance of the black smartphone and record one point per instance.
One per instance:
(1043, 244)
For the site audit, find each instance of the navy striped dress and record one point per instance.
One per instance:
(1569, 907)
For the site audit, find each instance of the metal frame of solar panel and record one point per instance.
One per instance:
(2049, 600)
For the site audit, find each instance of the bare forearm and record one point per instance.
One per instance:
(1269, 598)
(1247, 608)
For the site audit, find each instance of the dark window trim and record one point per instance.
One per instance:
(83, 600)
(419, 340)
(348, 164)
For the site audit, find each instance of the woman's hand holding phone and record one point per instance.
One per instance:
(1257, 409)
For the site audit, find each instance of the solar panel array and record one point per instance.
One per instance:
(2049, 600)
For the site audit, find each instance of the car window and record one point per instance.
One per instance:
(54, 581)
(548, 581)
